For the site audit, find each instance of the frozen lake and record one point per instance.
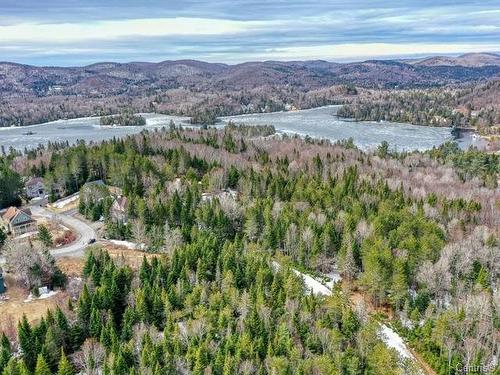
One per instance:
(317, 123)
(321, 123)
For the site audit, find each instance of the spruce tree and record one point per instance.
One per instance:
(41, 366)
(27, 343)
(12, 367)
(65, 367)
(44, 236)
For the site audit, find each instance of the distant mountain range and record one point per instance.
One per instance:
(471, 60)
(30, 94)
(139, 77)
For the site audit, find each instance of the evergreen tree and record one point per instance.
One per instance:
(44, 236)
(41, 366)
(65, 367)
(27, 343)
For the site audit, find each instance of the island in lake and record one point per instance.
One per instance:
(124, 119)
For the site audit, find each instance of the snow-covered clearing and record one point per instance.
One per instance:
(64, 202)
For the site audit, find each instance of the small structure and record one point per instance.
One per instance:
(18, 221)
(35, 188)
(2, 283)
(119, 209)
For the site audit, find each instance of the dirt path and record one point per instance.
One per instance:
(423, 365)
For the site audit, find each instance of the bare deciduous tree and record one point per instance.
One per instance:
(91, 357)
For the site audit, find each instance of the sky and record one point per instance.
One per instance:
(70, 32)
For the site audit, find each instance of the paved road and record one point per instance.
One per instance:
(82, 230)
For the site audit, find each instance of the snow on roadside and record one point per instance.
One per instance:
(42, 296)
(64, 202)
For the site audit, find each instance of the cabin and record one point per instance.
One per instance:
(119, 209)
(18, 221)
(35, 188)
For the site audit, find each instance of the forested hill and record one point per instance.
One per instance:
(204, 90)
(414, 233)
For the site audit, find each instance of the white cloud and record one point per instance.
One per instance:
(369, 50)
(105, 30)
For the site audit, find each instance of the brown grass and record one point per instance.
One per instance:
(132, 258)
(73, 267)
(13, 309)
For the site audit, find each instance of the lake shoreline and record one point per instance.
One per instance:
(318, 122)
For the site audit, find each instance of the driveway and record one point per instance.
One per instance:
(84, 233)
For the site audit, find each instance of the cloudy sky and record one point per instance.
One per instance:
(71, 32)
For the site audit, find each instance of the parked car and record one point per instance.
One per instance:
(91, 241)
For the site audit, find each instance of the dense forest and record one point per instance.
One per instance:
(474, 106)
(416, 233)
(124, 119)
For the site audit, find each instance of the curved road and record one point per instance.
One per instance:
(84, 232)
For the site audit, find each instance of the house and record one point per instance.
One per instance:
(119, 209)
(35, 188)
(18, 221)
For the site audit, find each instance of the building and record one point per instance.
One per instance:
(35, 188)
(18, 221)
(119, 209)
(2, 282)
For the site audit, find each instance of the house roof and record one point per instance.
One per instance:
(34, 181)
(12, 212)
(96, 182)
(120, 203)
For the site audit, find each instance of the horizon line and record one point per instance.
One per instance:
(403, 58)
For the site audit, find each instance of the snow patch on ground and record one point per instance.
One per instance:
(27, 234)
(64, 202)
(333, 278)
(313, 285)
(394, 341)
(128, 244)
(42, 296)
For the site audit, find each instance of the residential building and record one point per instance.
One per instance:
(119, 209)
(35, 188)
(18, 221)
